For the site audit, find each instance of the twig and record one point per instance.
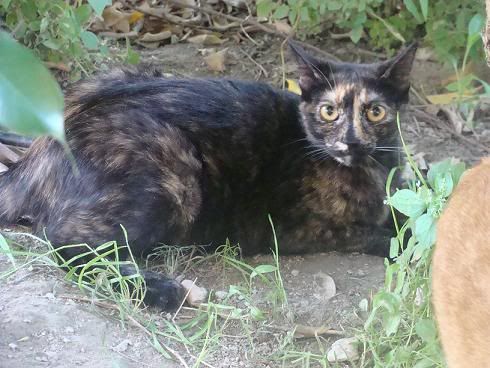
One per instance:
(248, 20)
(11, 139)
(183, 300)
(262, 69)
(7, 155)
(116, 35)
(472, 143)
(59, 66)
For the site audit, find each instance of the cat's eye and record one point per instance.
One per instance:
(376, 113)
(329, 113)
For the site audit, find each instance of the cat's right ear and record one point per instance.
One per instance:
(312, 71)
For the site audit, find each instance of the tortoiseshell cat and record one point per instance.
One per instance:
(191, 161)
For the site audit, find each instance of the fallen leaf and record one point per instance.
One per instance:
(7, 155)
(283, 27)
(293, 86)
(216, 61)
(446, 98)
(135, 16)
(206, 39)
(3, 168)
(301, 331)
(155, 37)
(116, 19)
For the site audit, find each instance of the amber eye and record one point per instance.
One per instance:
(329, 113)
(376, 113)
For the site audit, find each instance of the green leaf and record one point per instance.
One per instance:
(259, 270)
(412, 8)
(355, 34)
(265, 8)
(394, 247)
(475, 25)
(426, 329)
(437, 169)
(99, 5)
(30, 99)
(281, 11)
(5, 4)
(4, 248)
(424, 6)
(425, 230)
(334, 5)
(408, 202)
(90, 40)
(444, 184)
(82, 13)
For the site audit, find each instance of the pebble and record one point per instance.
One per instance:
(295, 273)
(221, 295)
(69, 329)
(343, 350)
(13, 346)
(122, 346)
(197, 295)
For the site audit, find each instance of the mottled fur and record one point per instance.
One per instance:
(461, 271)
(181, 161)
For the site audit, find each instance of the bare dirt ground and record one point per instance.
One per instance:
(44, 323)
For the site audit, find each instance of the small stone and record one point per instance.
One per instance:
(295, 273)
(122, 346)
(66, 340)
(13, 346)
(221, 295)
(343, 350)
(196, 295)
(49, 296)
(69, 329)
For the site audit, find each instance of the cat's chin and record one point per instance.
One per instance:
(344, 160)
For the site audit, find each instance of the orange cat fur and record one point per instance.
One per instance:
(461, 272)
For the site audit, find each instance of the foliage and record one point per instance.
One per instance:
(31, 99)
(400, 330)
(56, 30)
(385, 24)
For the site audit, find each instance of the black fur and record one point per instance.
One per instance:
(190, 161)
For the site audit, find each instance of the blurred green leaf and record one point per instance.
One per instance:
(30, 99)
(281, 11)
(408, 203)
(99, 5)
(90, 40)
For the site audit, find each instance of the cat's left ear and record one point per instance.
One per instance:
(396, 71)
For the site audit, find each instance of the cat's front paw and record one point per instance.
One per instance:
(163, 292)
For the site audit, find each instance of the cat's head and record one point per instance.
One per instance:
(349, 110)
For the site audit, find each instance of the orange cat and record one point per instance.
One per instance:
(461, 272)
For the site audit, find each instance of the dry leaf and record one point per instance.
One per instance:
(156, 37)
(7, 155)
(446, 98)
(206, 39)
(283, 27)
(135, 16)
(236, 3)
(293, 86)
(116, 19)
(301, 331)
(3, 168)
(216, 61)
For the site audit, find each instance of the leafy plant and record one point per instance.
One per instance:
(400, 330)
(384, 24)
(30, 99)
(57, 30)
